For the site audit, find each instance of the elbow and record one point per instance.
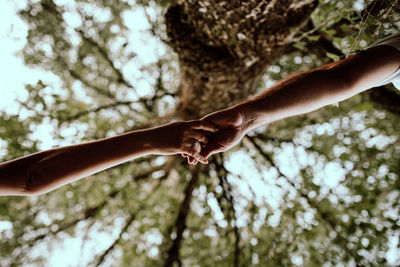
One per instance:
(16, 179)
(24, 177)
(30, 187)
(31, 192)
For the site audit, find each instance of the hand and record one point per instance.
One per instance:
(230, 125)
(181, 137)
(231, 130)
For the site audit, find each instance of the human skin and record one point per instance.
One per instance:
(301, 93)
(47, 170)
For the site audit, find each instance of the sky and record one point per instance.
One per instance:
(15, 75)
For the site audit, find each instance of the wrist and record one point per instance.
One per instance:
(156, 140)
(248, 118)
(142, 141)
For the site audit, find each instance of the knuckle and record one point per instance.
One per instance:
(182, 147)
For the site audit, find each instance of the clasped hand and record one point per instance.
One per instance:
(230, 130)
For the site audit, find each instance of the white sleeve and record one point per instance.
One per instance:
(393, 41)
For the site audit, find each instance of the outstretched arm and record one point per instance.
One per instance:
(44, 171)
(326, 85)
(302, 93)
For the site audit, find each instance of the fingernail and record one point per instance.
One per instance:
(204, 161)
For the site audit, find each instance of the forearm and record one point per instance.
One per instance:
(47, 170)
(329, 84)
(298, 95)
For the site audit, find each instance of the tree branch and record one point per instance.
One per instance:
(53, 9)
(373, 9)
(88, 213)
(180, 224)
(111, 247)
(227, 194)
(325, 216)
(104, 54)
(86, 112)
(99, 90)
(92, 211)
(144, 175)
(153, 28)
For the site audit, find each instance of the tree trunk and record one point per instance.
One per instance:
(224, 47)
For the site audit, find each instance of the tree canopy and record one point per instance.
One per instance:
(320, 189)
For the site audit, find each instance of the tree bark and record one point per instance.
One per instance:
(224, 47)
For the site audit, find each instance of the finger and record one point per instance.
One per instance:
(197, 136)
(195, 155)
(189, 158)
(211, 149)
(205, 126)
(192, 161)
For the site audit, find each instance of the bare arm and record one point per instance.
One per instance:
(302, 93)
(326, 85)
(44, 171)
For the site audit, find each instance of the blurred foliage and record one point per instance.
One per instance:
(320, 189)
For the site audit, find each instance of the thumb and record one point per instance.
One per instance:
(210, 149)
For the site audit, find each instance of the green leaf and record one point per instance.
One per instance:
(330, 32)
(300, 45)
(366, 106)
(313, 37)
(334, 57)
